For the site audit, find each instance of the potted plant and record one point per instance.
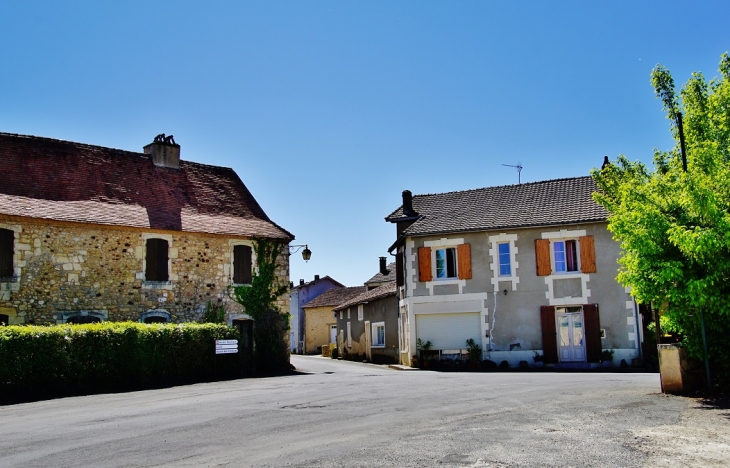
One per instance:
(424, 348)
(538, 358)
(607, 357)
(474, 353)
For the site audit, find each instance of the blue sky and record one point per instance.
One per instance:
(328, 110)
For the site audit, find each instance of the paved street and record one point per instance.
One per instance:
(352, 414)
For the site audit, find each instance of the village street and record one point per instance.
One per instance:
(351, 414)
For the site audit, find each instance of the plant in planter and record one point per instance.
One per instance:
(538, 358)
(607, 357)
(424, 349)
(474, 352)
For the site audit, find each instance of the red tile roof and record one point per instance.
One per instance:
(66, 181)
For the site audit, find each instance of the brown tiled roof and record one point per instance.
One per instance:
(381, 278)
(334, 296)
(385, 290)
(545, 203)
(66, 181)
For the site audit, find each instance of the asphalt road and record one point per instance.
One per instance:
(351, 414)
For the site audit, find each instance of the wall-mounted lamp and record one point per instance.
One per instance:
(306, 253)
(505, 291)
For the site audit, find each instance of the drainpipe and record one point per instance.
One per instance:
(639, 331)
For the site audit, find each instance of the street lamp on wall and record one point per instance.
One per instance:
(306, 253)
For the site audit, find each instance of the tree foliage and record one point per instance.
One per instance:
(259, 302)
(674, 226)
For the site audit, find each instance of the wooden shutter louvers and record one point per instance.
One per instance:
(549, 335)
(463, 254)
(242, 264)
(593, 332)
(587, 255)
(424, 264)
(156, 260)
(542, 257)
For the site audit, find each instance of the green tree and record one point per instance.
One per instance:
(674, 224)
(271, 355)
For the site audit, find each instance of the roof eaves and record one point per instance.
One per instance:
(497, 228)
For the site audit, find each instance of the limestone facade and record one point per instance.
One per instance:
(63, 269)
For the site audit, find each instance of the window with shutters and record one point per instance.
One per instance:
(157, 260)
(563, 255)
(360, 312)
(378, 335)
(7, 248)
(440, 262)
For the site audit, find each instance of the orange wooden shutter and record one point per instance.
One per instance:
(424, 264)
(549, 334)
(587, 255)
(542, 257)
(463, 254)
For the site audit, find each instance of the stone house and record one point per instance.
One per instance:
(299, 296)
(321, 321)
(520, 269)
(89, 233)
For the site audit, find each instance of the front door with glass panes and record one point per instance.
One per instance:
(571, 337)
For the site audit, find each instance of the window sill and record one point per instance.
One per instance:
(238, 285)
(8, 279)
(157, 285)
(378, 346)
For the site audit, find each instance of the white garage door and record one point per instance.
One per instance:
(448, 331)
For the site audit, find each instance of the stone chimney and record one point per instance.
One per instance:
(301, 282)
(408, 203)
(383, 266)
(316, 277)
(164, 151)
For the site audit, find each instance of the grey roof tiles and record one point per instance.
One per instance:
(550, 202)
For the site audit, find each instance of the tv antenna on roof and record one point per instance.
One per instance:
(517, 166)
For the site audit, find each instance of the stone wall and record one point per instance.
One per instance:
(66, 268)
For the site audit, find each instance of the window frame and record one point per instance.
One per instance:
(232, 264)
(500, 255)
(153, 237)
(374, 326)
(575, 242)
(454, 260)
(9, 236)
(360, 312)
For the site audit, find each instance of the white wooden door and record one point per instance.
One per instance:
(571, 337)
(333, 333)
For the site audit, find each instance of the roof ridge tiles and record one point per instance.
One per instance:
(536, 182)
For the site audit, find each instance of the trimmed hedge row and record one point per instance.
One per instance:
(41, 362)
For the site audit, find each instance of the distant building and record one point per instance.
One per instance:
(300, 295)
(321, 321)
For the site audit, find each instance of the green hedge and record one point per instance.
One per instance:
(42, 362)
